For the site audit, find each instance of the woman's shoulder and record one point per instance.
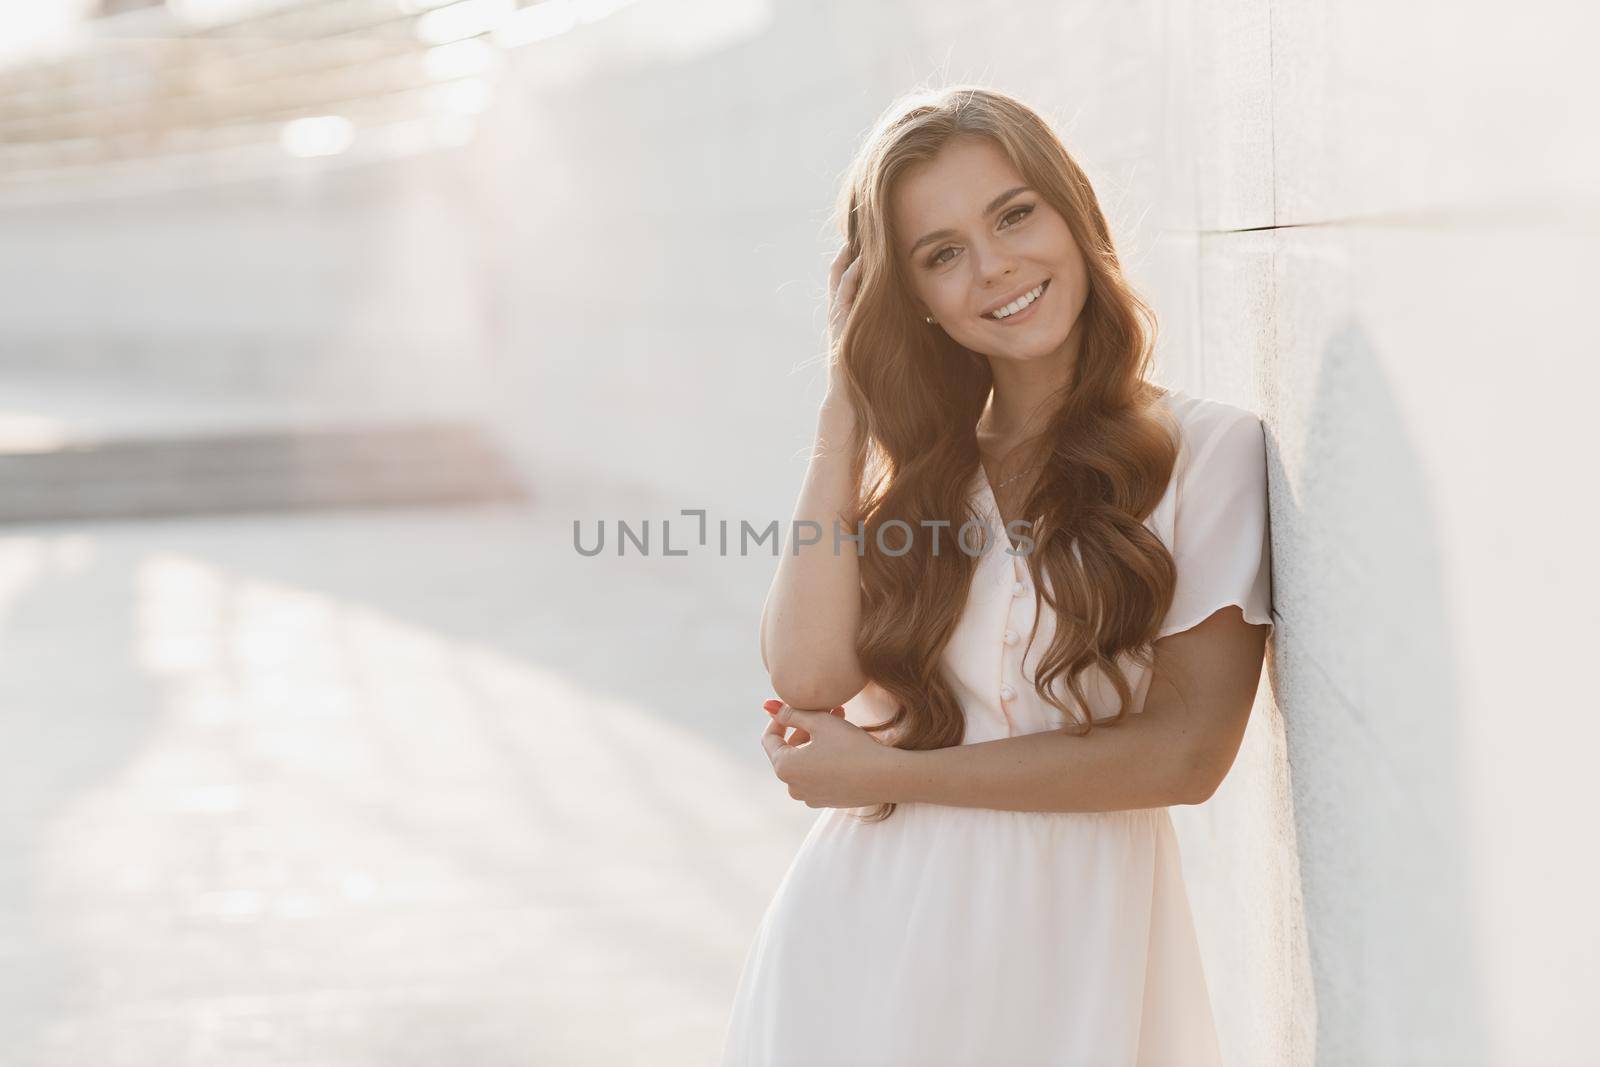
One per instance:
(1204, 425)
(1214, 515)
(1199, 416)
(1218, 443)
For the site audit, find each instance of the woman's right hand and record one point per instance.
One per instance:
(800, 736)
(844, 280)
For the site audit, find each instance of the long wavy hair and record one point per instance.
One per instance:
(1108, 450)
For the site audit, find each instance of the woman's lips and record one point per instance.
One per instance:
(1026, 312)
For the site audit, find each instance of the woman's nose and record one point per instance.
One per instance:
(994, 264)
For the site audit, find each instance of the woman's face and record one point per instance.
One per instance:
(974, 239)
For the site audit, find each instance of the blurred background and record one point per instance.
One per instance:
(322, 322)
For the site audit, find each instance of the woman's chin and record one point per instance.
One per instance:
(1036, 344)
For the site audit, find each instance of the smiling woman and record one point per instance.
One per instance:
(1018, 225)
(994, 877)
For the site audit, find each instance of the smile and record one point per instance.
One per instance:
(1020, 308)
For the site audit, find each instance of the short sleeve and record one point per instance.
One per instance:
(1220, 538)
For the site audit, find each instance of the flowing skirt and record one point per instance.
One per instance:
(971, 936)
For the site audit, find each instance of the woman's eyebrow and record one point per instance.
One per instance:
(994, 205)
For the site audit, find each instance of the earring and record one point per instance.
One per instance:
(928, 319)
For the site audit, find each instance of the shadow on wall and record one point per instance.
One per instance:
(1367, 681)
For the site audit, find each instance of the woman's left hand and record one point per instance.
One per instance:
(841, 766)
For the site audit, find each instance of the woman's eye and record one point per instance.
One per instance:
(1022, 211)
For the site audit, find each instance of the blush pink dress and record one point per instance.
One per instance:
(973, 936)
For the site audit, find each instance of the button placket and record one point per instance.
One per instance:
(1019, 589)
(1008, 692)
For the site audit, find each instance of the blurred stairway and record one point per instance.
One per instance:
(232, 470)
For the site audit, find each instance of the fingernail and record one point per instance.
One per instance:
(773, 705)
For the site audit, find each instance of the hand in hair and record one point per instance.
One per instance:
(844, 280)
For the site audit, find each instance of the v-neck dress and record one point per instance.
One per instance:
(974, 936)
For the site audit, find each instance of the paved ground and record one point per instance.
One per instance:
(396, 787)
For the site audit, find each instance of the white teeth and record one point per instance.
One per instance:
(1019, 303)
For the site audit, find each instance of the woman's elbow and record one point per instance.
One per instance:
(1207, 767)
(1199, 789)
(814, 690)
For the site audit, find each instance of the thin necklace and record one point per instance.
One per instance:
(1026, 470)
(1014, 477)
(1029, 469)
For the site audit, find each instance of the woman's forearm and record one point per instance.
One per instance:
(1176, 750)
(1145, 761)
(813, 610)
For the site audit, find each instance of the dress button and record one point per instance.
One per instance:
(1017, 588)
(1011, 637)
(1007, 693)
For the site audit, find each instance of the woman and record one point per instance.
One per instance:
(994, 877)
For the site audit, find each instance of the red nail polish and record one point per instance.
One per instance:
(773, 705)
